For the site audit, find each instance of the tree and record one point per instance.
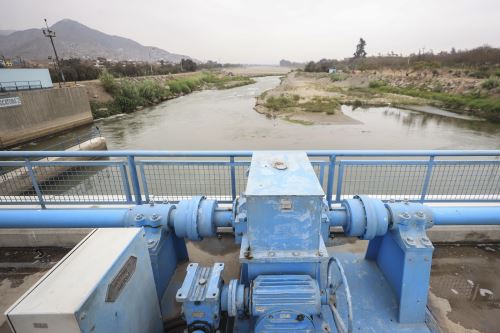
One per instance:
(360, 49)
(188, 65)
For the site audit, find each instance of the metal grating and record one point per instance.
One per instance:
(126, 179)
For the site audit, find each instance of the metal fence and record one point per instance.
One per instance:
(20, 85)
(127, 177)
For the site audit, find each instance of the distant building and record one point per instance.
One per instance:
(332, 70)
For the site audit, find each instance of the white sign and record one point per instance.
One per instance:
(10, 101)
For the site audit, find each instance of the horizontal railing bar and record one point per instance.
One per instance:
(383, 162)
(415, 162)
(312, 153)
(157, 162)
(12, 163)
(78, 163)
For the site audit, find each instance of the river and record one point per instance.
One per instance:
(225, 120)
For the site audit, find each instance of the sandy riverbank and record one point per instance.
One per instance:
(313, 98)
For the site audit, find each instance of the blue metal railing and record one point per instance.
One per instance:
(126, 177)
(20, 85)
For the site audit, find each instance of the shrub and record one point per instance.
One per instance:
(128, 96)
(280, 102)
(337, 77)
(108, 82)
(174, 87)
(377, 84)
(151, 90)
(321, 104)
(491, 83)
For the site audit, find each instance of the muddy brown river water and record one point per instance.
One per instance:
(225, 120)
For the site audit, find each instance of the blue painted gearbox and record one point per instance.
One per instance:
(284, 211)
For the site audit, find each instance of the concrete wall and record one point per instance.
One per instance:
(43, 112)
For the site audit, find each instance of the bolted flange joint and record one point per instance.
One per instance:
(194, 218)
(367, 217)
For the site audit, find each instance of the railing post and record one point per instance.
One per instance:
(126, 185)
(339, 182)
(31, 173)
(144, 182)
(321, 174)
(233, 178)
(427, 179)
(135, 179)
(331, 173)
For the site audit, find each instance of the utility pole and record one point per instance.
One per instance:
(52, 34)
(150, 63)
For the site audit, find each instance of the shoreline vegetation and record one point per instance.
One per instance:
(130, 95)
(316, 98)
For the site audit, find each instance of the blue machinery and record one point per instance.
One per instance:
(288, 281)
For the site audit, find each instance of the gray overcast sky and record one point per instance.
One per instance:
(265, 31)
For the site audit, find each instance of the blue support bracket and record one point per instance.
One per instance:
(404, 255)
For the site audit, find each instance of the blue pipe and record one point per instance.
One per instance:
(62, 218)
(338, 217)
(466, 215)
(223, 218)
(243, 153)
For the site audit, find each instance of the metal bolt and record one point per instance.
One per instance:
(151, 241)
(155, 217)
(420, 215)
(410, 239)
(426, 240)
(202, 281)
(139, 217)
(404, 215)
(271, 254)
(295, 253)
(83, 316)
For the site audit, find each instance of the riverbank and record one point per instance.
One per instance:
(311, 98)
(128, 95)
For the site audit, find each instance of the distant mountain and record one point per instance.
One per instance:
(6, 32)
(75, 40)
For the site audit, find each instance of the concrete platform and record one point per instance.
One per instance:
(465, 279)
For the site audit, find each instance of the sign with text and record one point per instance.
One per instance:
(6, 102)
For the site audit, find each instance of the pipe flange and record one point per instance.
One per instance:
(232, 309)
(367, 217)
(186, 218)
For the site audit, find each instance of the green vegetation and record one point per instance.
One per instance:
(491, 83)
(484, 106)
(128, 95)
(316, 104)
(338, 77)
(108, 81)
(377, 84)
(321, 104)
(298, 121)
(282, 102)
(480, 62)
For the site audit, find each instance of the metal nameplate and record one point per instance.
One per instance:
(7, 102)
(286, 204)
(120, 280)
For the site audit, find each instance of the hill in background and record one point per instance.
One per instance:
(75, 40)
